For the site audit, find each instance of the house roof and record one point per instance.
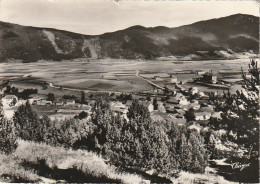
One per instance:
(9, 97)
(172, 110)
(145, 103)
(173, 100)
(202, 114)
(72, 101)
(128, 102)
(179, 121)
(196, 127)
(207, 109)
(203, 122)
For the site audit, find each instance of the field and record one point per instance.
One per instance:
(114, 75)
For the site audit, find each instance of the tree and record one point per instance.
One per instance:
(190, 115)
(27, 123)
(7, 136)
(14, 101)
(148, 98)
(155, 105)
(240, 117)
(83, 98)
(45, 86)
(240, 111)
(83, 115)
(50, 97)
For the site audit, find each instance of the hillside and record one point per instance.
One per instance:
(210, 39)
(51, 164)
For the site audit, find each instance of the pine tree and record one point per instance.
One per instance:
(27, 122)
(7, 136)
(83, 98)
(240, 118)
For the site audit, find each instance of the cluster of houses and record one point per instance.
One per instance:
(64, 109)
(174, 108)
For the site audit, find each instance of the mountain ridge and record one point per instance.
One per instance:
(207, 39)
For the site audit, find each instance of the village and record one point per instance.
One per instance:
(171, 102)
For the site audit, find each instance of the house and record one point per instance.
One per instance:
(157, 78)
(185, 107)
(9, 100)
(34, 100)
(128, 103)
(217, 115)
(92, 102)
(161, 107)
(70, 102)
(44, 102)
(214, 79)
(209, 77)
(194, 91)
(118, 107)
(196, 127)
(84, 107)
(202, 115)
(184, 101)
(175, 119)
(173, 79)
(179, 95)
(208, 108)
(203, 95)
(171, 110)
(59, 103)
(179, 122)
(204, 102)
(149, 105)
(121, 112)
(173, 101)
(195, 106)
(195, 101)
(20, 102)
(201, 72)
(180, 111)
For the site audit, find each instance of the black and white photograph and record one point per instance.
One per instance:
(129, 91)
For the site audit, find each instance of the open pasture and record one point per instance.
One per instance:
(115, 76)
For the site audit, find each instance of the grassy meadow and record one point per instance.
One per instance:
(38, 162)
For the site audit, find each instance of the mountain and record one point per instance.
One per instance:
(210, 39)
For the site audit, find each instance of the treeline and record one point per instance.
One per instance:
(139, 144)
(11, 90)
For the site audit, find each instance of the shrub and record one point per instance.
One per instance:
(27, 123)
(27, 92)
(70, 133)
(143, 145)
(83, 115)
(7, 136)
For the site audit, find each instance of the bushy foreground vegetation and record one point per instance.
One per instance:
(7, 136)
(38, 162)
(240, 121)
(138, 144)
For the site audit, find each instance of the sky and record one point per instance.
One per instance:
(95, 17)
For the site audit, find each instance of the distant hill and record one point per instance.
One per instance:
(210, 39)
